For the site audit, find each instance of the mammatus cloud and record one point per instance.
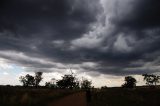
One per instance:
(116, 37)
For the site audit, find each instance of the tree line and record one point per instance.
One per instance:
(70, 81)
(150, 79)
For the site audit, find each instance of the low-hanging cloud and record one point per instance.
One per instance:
(116, 37)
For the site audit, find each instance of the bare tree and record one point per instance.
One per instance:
(151, 79)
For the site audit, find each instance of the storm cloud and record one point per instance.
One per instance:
(117, 37)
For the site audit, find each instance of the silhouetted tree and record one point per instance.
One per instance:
(38, 78)
(27, 80)
(51, 84)
(151, 79)
(68, 81)
(86, 84)
(30, 80)
(130, 82)
(104, 87)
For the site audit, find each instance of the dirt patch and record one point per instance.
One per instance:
(77, 99)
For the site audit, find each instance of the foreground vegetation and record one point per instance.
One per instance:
(30, 96)
(143, 96)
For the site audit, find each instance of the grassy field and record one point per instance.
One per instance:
(20, 96)
(126, 97)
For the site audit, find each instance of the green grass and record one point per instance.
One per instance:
(126, 97)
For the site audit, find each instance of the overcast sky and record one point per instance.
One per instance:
(103, 40)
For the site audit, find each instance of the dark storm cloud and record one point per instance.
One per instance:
(31, 27)
(145, 14)
(50, 16)
(138, 24)
(117, 37)
(141, 23)
(27, 23)
(135, 37)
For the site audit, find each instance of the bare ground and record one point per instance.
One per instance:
(77, 99)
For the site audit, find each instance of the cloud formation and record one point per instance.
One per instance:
(116, 37)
